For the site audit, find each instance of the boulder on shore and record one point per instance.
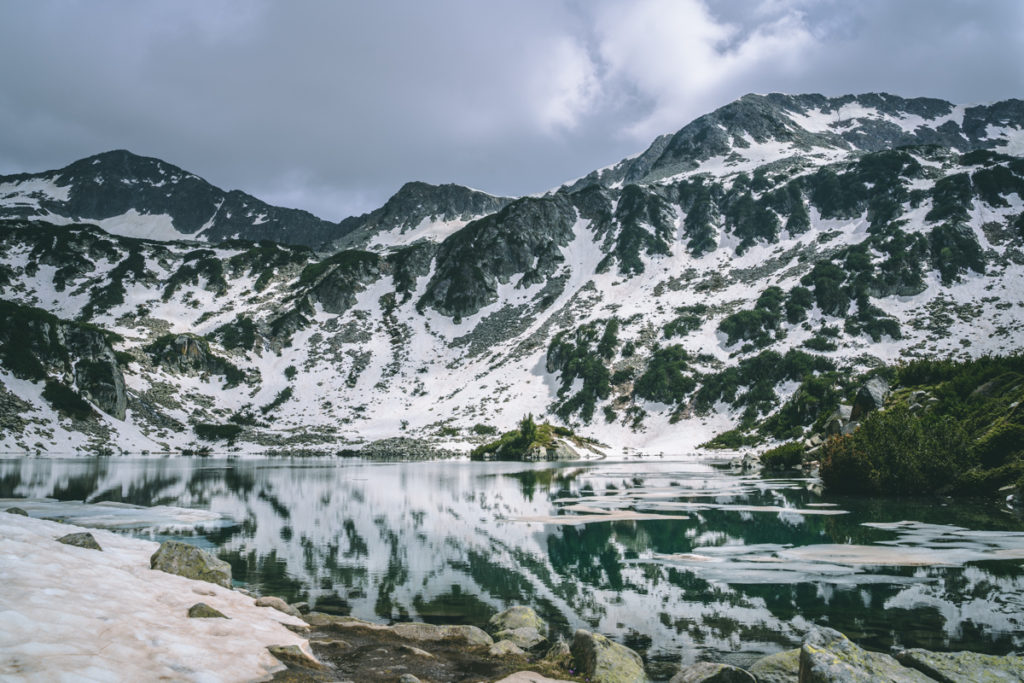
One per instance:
(712, 672)
(201, 610)
(81, 540)
(16, 511)
(964, 666)
(525, 637)
(781, 667)
(175, 557)
(514, 617)
(604, 661)
(827, 656)
(278, 604)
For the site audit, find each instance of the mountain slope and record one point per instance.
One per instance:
(734, 274)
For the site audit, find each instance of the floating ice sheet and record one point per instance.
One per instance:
(117, 516)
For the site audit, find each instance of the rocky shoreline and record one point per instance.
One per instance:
(183, 602)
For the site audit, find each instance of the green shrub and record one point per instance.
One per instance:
(483, 430)
(895, 452)
(784, 457)
(734, 438)
(217, 432)
(67, 401)
(290, 372)
(1000, 445)
(281, 397)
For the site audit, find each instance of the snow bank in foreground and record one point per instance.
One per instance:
(72, 613)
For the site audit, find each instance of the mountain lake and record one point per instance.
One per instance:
(680, 559)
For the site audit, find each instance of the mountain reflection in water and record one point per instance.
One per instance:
(677, 559)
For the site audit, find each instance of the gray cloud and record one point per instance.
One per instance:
(331, 106)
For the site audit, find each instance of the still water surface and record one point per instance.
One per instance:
(678, 559)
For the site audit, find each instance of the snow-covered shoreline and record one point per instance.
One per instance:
(70, 612)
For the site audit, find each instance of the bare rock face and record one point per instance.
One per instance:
(81, 540)
(604, 661)
(505, 648)
(870, 397)
(175, 557)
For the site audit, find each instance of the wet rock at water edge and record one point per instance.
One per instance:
(201, 610)
(827, 656)
(711, 672)
(950, 667)
(781, 667)
(278, 604)
(293, 655)
(81, 540)
(16, 511)
(514, 617)
(605, 661)
(175, 557)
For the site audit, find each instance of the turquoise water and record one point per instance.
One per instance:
(678, 559)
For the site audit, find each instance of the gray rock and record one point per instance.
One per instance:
(201, 610)
(954, 667)
(468, 635)
(278, 604)
(505, 648)
(711, 672)
(525, 637)
(333, 644)
(408, 678)
(517, 616)
(781, 667)
(871, 396)
(175, 557)
(81, 540)
(604, 661)
(415, 651)
(828, 656)
(17, 511)
(559, 655)
(293, 655)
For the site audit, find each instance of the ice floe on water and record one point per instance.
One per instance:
(916, 545)
(118, 516)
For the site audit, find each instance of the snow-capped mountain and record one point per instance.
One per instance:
(734, 273)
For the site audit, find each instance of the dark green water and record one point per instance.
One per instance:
(729, 567)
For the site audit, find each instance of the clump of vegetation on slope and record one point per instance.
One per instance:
(969, 439)
(530, 441)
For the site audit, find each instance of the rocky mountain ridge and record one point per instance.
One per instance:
(734, 275)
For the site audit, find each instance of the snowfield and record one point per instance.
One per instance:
(70, 613)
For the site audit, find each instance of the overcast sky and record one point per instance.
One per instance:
(331, 105)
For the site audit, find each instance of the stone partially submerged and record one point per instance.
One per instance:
(603, 661)
(175, 557)
(517, 616)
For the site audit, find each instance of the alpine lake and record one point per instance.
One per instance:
(680, 559)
